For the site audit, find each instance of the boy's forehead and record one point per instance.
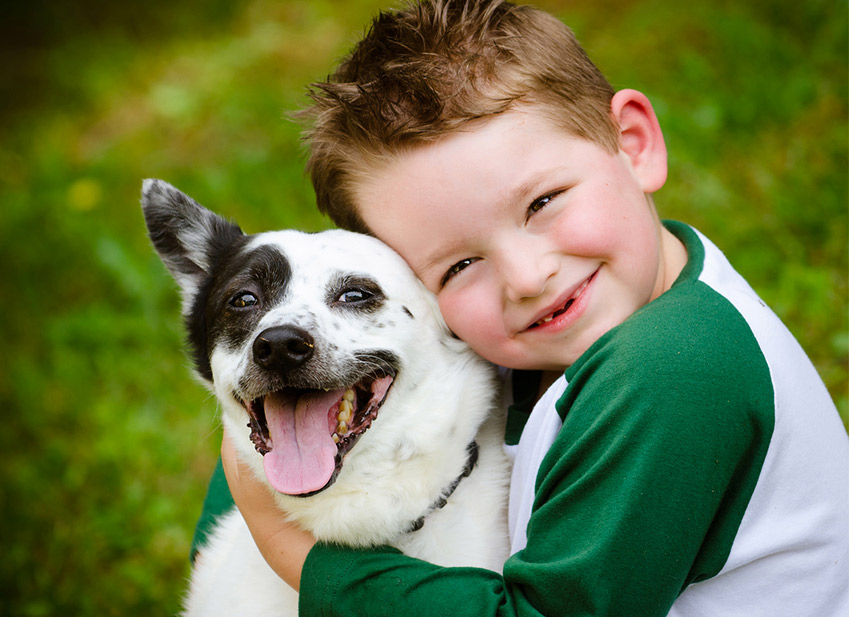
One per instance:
(434, 200)
(491, 156)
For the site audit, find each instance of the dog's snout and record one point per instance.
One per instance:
(284, 347)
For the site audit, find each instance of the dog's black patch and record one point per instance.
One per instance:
(406, 310)
(197, 319)
(192, 242)
(262, 274)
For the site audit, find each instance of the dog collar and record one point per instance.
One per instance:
(471, 461)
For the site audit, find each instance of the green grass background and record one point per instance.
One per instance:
(106, 442)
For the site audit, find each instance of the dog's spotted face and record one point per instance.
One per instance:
(304, 334)
(302, 345)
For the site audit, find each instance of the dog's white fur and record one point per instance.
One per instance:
(443, 398)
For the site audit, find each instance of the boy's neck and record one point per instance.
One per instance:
(546, 379)
(674, 255)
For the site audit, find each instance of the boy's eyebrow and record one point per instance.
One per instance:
(434, 259)
(533, 185)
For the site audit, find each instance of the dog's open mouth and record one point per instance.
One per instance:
(304, 434)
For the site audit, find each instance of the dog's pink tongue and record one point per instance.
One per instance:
(303, 454)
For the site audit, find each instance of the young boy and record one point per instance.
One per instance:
(682, 456)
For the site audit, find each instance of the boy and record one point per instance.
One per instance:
(682, 456)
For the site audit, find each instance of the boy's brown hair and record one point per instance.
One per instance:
(424, 71)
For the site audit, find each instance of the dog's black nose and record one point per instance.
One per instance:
(285, 347)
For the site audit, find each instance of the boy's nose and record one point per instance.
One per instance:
(526, 275)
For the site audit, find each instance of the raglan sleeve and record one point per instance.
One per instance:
(640, 495)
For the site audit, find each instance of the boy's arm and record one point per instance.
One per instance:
(639, 496)
(283, 544)
(285, 548)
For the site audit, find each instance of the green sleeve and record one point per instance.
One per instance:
(666, 424)
(218, 501)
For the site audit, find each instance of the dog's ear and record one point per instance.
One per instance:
(449, 339)
(187, 236)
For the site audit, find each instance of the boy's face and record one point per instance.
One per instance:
(535, 242)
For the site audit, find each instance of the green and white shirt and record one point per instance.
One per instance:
(690, 463)
(700, 426)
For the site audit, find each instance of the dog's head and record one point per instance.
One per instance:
(300, 335)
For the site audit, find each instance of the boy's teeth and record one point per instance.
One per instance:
(565, 308)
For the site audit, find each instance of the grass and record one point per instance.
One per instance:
(108, 442)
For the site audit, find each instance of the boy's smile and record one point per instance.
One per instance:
(535, 242)
(565, 312)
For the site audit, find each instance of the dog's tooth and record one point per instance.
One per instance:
(349, 395)
(342, 427)
(345, 411)
(335, 437)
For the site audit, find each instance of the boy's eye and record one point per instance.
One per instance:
(456, 269)
(542, 202)
(244, 299)
(539, 204)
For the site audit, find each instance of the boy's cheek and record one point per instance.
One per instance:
(449, 310)
(464, 316)
(484, 336)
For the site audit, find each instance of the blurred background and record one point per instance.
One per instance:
(106, 441)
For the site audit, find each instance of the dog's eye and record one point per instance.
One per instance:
(244, 299)
(354, 295)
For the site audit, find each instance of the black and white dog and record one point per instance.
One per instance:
(308, 341)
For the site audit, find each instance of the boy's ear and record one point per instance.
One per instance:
(640, 138)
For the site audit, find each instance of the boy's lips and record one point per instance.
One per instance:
(563, 305)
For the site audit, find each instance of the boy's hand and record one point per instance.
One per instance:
(283, 544)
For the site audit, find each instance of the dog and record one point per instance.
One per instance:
(343, 389)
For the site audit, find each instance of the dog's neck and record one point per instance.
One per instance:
(471, 461)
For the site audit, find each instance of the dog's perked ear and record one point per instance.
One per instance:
(187, 236)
